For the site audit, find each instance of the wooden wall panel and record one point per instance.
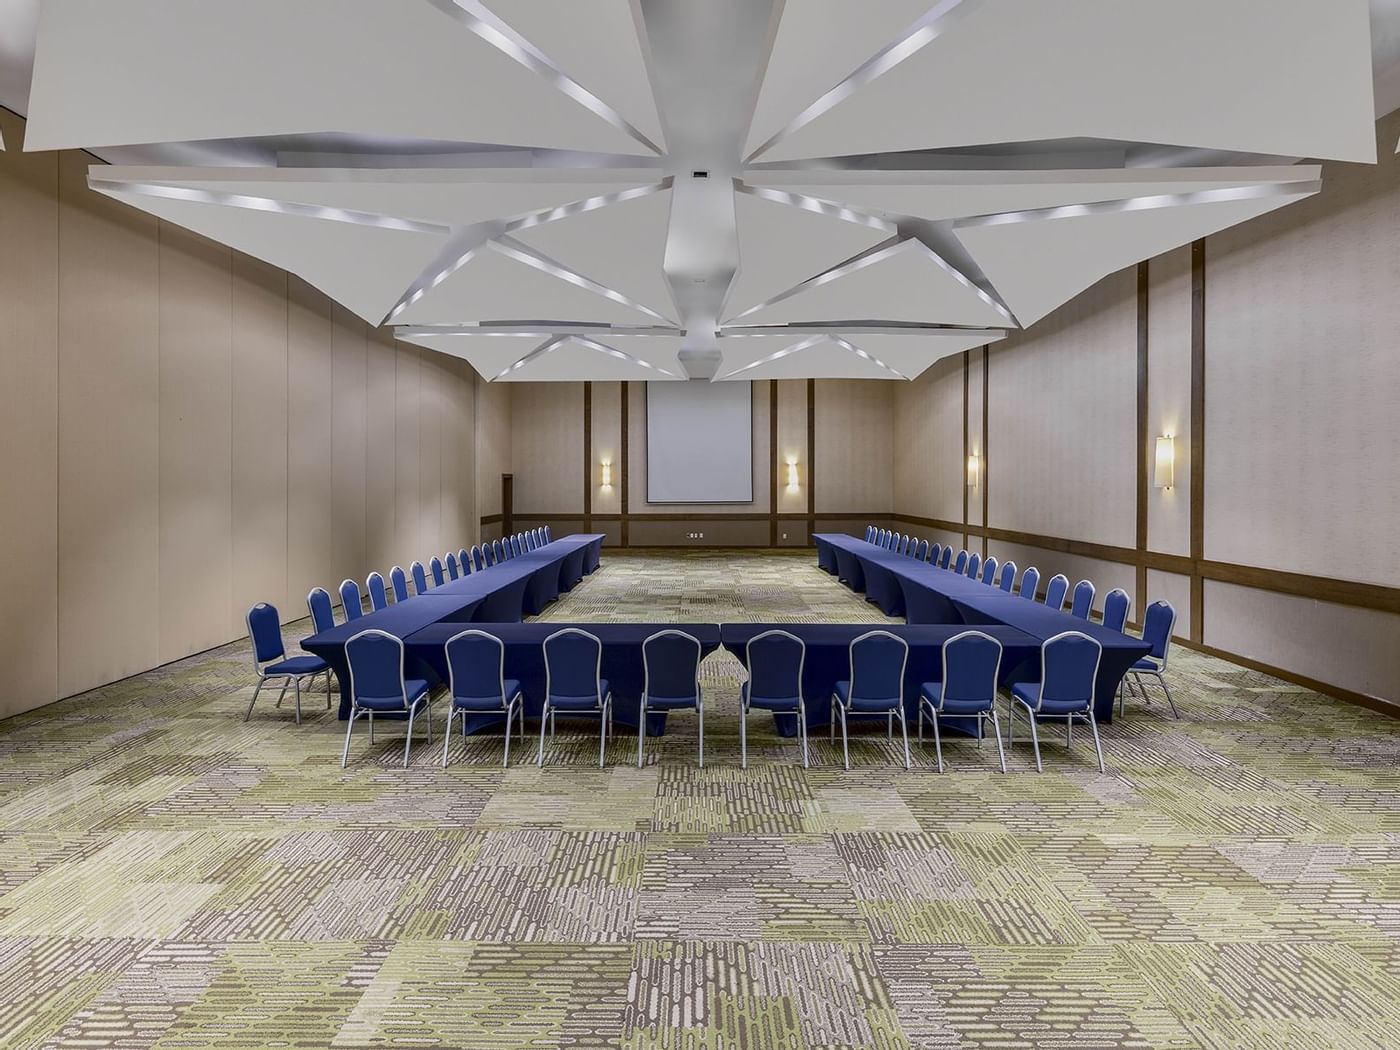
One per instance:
(1169, 398)
(928, 442)
(432, 413)
(493, 436)
(108, 436)
(607, 447)
(348, 385)
(29, 284)
(452, 532)
(792, 445)
(855, 445)
(546, 444)
(1174, 589)
(310, 514)
(408, 524)
(381, 453)
(974, 442)
(468, 524)
(195, 443)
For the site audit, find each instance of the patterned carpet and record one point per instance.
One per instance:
(173, 877)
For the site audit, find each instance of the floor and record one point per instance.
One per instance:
(173, 877)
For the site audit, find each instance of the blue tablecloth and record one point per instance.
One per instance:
(828, 660)
(622, 660)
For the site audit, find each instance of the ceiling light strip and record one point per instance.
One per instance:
(864, 355)
(1132, 204)
(777, 355)
(547, 347)
(831, 209)
(513, 249)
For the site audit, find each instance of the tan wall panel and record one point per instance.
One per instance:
(928, 428)
(792, 445)
(492, 446)
(855, 444)
(1174, 589)
(547, 447)
(607, 447)
(432, 413)
(28, 407)
(1169, 399)
(408, 529)
(974, 441)
(381, 451)
(310, 514)
(196, 433)
(348, 387)
(109, 435)
(468, 525)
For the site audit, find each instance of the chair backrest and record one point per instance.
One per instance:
(548, 535)
(1030, 581)
(947, 556)
(904, 544)
(573, 664)
(1056, 590)
(1008, 576)
(1116, 604)
(265, 632)
(378, 596)
(1083, 601)
(435, 564)
(318, 604)
(498, 551)
(420, 578)
(488, 554)
(960, 565)
(350, 599)
(971, 668)
(399, 581)
(921, 554)
(878, 659)
(464, 560)
(376, 667)
(451, 562)
(671, 666)
(1069, 663)
(935, 553)
(974, 565)
(515, 546)
(1157, 626)
(869, 533)
(476, 666)
(479, 561)
(775, 660)
(989, 570)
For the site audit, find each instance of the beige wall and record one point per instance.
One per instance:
(187, 431)
(855, 446)
(928, 434)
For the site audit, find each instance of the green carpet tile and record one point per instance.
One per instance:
(171, 876)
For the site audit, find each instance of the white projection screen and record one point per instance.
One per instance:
(699, 442)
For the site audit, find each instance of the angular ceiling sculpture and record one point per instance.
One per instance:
(732, 189)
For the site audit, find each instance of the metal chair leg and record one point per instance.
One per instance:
(889, 725)
(1035, 740)
(371, 729)
(603, 733)
(544, 725)
(1161, 679)
(328, 690)
(996, 728)
(845, 741)
(743, 736)
(283, 693)
(447, 732)
(921, 721)
(1098, 748)
(641, 731)
(505, 759)
(700, 716)
(349, 727)
(408, 739)
(1069, 729)
(904, 731)
(296, 685)
(249, 713)
(802, 728)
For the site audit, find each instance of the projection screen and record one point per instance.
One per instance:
(699, 442)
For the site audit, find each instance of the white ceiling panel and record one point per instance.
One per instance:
(781, 245)
(577, 359)
(1040, 261)
(621, 246)
(490, 353)
(913, 354)
(800, 357)
(906, 282)
(1275, 77)
(494, 285)
(594, 42)
(136, 71)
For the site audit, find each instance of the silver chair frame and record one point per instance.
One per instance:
(982, 716)
(293, 680)
(836, 704)
(746, 696)
(646, 692)
(511, 706)
(604, 710)
(1032, 713)
(1159, 673)
(410, 709)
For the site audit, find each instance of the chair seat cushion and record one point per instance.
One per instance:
(1148, 663)
(1029, 693)
(297, 665)
(770, 703)
(413, 688)
(671, 703)
(875, 705)
(580, 703)
(487, 703)
(932, 695)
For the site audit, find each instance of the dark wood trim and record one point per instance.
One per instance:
(1198, 433)
(492, 519)
(1144, 442)
(587, 457)
(773, 458)
(1349, 696)
(1372, 596)
(986, 434)
(507, 503)
(624, 467)
(967, 367)
(811, 458)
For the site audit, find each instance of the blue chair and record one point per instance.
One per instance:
(539, 538)
(876, 687)
(960, 565)
(1030, 582)
(489, 554)
(971, 670)
(974, 565)
(573, 683)
(1008, 576)
(399, 582)
(671, 682)
(420, 578)
(1157, 627)
(378, 595)
(378, 686)
(921, 554)
(451, 563)
(989, 570)
(351, 601)
(869, 533)
(1069, 664)
(435, 566)
(270, 660)
(477, 685)
(935, 553)
(904, 545)
(318, 604)
(464, 560)
(1116, 604)
(500, 551)
(947, 556)
(1083, 601)
(479, 561)
(517, 545)
(548, 535)
(1055, 592)
(775, 660)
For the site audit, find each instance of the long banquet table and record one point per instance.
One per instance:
(926, 594)
(503, 593)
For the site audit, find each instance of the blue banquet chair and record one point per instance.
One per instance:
(869, 533)
(974, 565)
(904, 545)
(671, 682)
(1157, 627)
(1030, 582)
(477, 685)
(876, 687)
(775, 662)
(420, 578)
(947, 556)
(1069, 664)
(435, 566)
(989, 570)
(960, 565)
(573, 663)
(464, 560)
(270, 660)
(935, 553)
(499, 551)
(1083, 602)
(350, 600)
(922, 553)
(971, 669)
(318, 604)
(451, 563)
(548, 535)
(1116, 604)
(516, 546)
(378, 686)
(1008, 576)
(399, 582)
(479, 561)
(1055, 592)
(488, 554)
(378, 595)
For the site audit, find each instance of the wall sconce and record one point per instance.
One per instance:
(607, 474)
(1164, 472)
(974, 470)
(792, 474)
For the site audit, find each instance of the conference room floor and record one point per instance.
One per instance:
(171, 876)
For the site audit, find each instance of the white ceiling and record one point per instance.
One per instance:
(879, 184)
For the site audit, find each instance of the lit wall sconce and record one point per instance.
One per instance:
(974, 470)
(607, 474)
(792, 474)
(1164, 472)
